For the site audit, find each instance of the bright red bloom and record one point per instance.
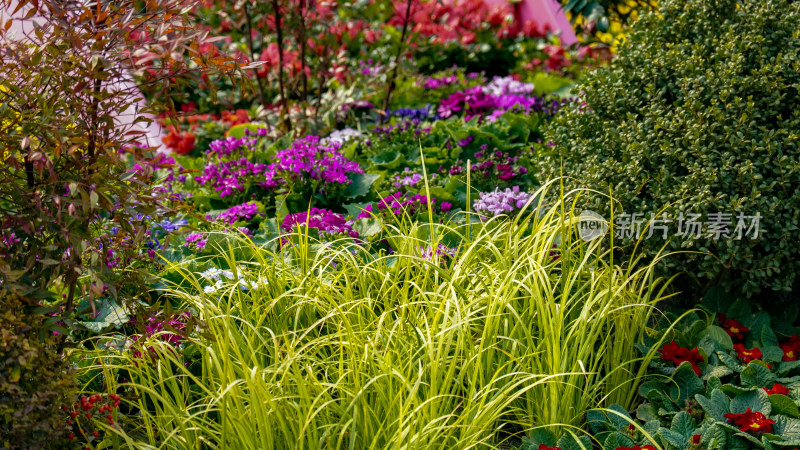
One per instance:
(636, 447)
(696, 439)
(791, 348)
(751, 421)
(747, 355)
(677, 354)
(777, 389)
(732, 327)
(180, 143)
(544, 447)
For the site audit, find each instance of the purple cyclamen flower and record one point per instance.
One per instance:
(236, 213)
(310, 158)
(326, 221)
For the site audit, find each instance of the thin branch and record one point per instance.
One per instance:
(287, 121)
(391, 85)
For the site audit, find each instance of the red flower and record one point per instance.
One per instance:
(747, 355)
(791, 348)
(777, 389)
(732, 327)
(636, 447)
(544, 447)
(751, 421)
(677, 354)
(696, 439)
(180, 143)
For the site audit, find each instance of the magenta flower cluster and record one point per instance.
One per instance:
(399, 203)
(489, 164)
(326, 221)
(166, 330)
(310, 158)
(501, 202)
(236, 213)
(435, 83)
(226, 147)
(195, 241)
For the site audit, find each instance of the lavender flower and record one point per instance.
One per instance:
(501, 202)
(507, 85)
(442, 252)
(341, 136)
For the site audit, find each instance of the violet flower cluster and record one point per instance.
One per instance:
(501, 202)
(310, 158)
(236, 213)
(230, 177)
(324, 220)
(423, 113)
(390, 132)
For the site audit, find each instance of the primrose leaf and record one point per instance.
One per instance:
(782, 404)
(756, 400)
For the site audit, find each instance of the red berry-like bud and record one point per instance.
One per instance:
(116, 403)
(69, 422)
(88, 415)
(96, 434)
(65, 408)
(73, 414)
(696, 439)
(70, 436)
(86, 406)
(83, 399)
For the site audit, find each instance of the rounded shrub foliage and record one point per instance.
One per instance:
(699, 113)
(34, 380)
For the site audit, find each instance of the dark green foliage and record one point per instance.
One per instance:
(699, 113)
(34, 380)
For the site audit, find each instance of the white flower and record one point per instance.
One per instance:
(215, 274)
(214, 288)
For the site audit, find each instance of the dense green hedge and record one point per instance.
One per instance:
(699, 113)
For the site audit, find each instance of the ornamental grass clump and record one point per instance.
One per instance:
(343, 347)
(699, 113)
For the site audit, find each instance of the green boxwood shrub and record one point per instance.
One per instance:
(699, 113)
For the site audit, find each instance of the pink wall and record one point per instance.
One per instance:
(20, 28)
(543, 12)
